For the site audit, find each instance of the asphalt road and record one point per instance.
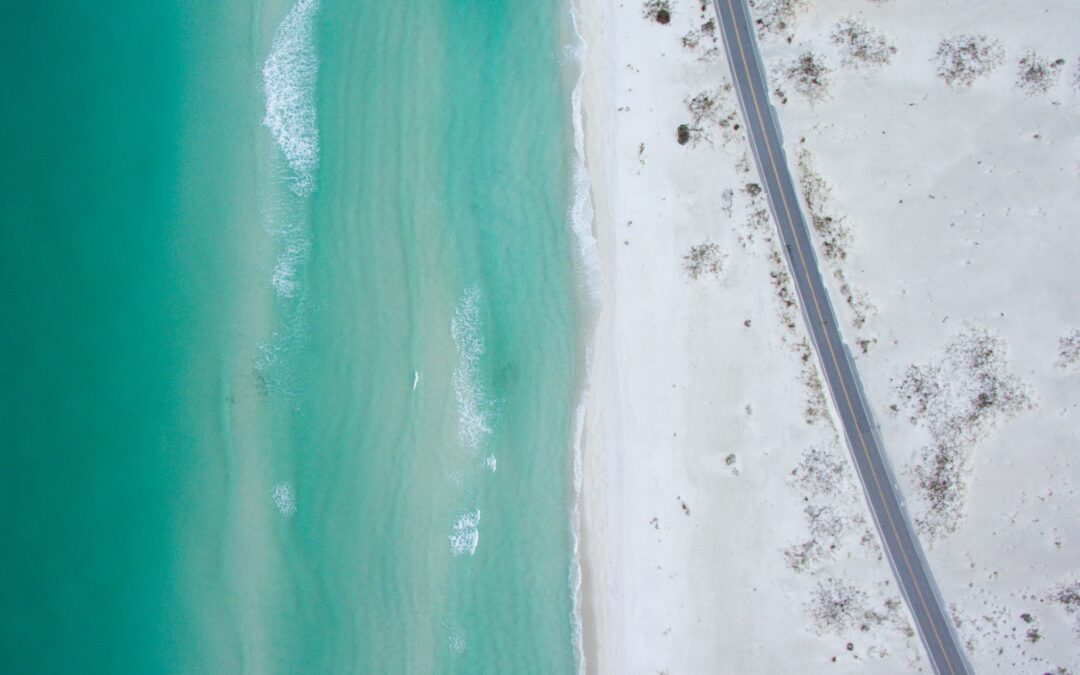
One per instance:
(898, 537)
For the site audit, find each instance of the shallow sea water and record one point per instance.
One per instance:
(292, 341)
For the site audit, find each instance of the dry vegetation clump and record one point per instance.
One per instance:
(657, 10)
(834, 232)
(827, 528)
(822, 477)
(758, 220)
(860, 304)
(704, 259)
(860, 45)
(821, 472)
(703, 39)
(714, 109)
(962, 59)
(959, 399)
(1068, 596)
(1004, 635)
(774, 17)
(690, 134)
(817, 407)
(706, 106)
(1069, 351)
(809, 75)
(785, 292)
(837, 606)
(727, 201)
(1036, 74)
(743, 164)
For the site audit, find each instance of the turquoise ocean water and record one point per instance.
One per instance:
(292, 341)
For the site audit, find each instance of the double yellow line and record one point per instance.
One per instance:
(832, 351)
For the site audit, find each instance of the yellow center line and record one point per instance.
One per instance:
(828, 342)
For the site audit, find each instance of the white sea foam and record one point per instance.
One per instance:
(456, 641)
(489, 463)
(285, 270)
(581, 209)
(473, 408)
(289, 75)
(466, 533)
(268, 369)
(285, 499)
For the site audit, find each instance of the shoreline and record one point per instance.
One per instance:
(598, 364)
(592, 301)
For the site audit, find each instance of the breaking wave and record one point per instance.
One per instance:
(285, 280)
(581, 220)
(575, 532)
(581, 209)
(473, 414)
(289, 85)
(466, 534)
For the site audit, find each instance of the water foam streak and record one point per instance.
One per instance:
(289, 75)
(286, 268)
(466, 534)
(473, 407)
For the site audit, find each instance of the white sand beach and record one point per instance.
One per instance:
(723, 526)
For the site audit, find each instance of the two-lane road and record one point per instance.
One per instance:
(898, 537)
